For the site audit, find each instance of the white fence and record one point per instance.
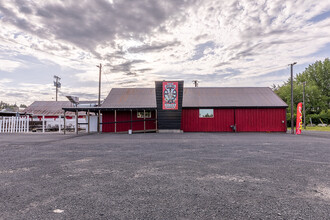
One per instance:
(14, 124)
(22, 124)
(58, 123)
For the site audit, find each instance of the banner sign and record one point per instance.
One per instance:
(170, 95)
(299, 119)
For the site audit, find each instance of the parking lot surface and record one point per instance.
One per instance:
(165, 176)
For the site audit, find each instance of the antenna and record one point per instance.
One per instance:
(195, 82)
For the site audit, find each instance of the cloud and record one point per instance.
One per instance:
(8, 65)
(126, 67)
(220, 43)
(201, 48)
(88, 25)
(155, 47)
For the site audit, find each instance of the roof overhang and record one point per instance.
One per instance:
(97, 109)
(234, 107)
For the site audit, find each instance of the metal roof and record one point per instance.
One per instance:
(231, 97)
(130, 98)
(196, 97)
(48, 108)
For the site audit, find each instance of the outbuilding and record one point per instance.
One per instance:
(171, 107)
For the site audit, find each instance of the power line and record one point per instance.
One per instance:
(106, 78)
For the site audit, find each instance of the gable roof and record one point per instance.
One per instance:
(231, 97)
(130, 98)
(197, 97)
(48, 108)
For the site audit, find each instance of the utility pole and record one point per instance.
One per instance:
(195, 82)
(292, 125)
(100, 70)
(57, 84)
(304, 84)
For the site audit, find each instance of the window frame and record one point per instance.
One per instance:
(199, 112)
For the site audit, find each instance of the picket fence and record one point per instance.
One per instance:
(14, 124)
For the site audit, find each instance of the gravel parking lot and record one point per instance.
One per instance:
(165, 176)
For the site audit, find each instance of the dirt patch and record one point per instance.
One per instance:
(146, 172)
(24, 169)
(232, 178)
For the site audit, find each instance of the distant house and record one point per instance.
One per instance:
(48, 109)
(54, 109)
(51, 111)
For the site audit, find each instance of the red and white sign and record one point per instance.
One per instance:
(170, 95)
(299, 119)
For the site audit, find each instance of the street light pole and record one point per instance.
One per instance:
(292, 125)
(304, 84)
(100, 69)
(57, 84)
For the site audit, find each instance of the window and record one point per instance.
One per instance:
(140, 114)
(206, 113)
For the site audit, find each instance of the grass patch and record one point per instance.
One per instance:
(314, 129)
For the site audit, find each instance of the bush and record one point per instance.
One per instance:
(324, 116)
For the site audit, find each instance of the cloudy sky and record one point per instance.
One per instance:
(218, 42)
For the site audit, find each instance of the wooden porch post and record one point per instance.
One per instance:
(132, 120)
(76, 121)
(64, 121)
(144, 120)
(156, 120)
(43, 124)
(88, 127)
(115, 121)
(59, 124)
(99, 121)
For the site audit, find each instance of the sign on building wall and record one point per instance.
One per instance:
(299, 119)
(170, 95)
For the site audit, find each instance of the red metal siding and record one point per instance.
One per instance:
(222, 120)
(262, 119)
(268, 119)
(108, 117)
(126, 116)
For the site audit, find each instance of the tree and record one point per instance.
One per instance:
(317, 96)
(317, 90)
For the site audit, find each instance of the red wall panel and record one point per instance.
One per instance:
(108, 117)
(263, 119)
(246, 119)
(126, 116)
(222, 120)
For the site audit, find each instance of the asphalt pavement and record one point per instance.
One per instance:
(165, 176)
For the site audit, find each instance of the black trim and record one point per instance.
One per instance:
(168, 119)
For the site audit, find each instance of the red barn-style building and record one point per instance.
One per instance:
(169, 106)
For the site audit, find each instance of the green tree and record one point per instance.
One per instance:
(317, 90)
